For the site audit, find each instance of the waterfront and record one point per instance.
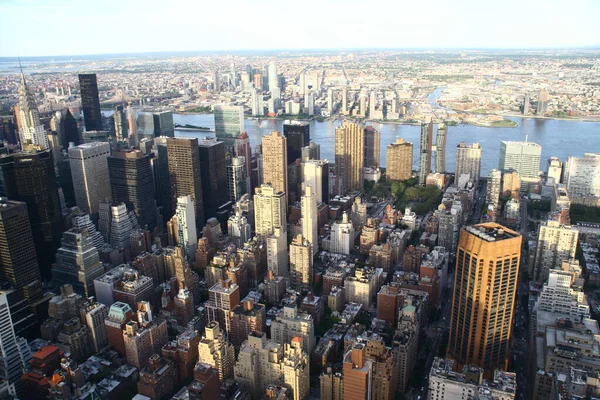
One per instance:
(558, 138)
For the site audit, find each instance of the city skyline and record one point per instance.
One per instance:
(472, 26)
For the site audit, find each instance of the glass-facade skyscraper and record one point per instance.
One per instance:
(90, 102)
(229, 122)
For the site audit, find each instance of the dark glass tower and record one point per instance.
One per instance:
(298, 136)
(213, 170)
(90, 102)
(131, 182)
(29, 176)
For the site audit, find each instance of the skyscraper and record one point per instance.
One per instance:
(316, 175)
(494, 186)
(399, 160)
(65, 125)
(297, 135)
(29, 177)
(258, 108)
(215, 350)
(481, 320)
(582, 175)
(309, 218)
(556, 243)
(163, 123)
(185, 174)
(425, 151)
(349, 155)
(131, 182)
(12, 360)
(90, 102)
(214, 176)
(269, 210)
(273, 78)
(372, 147)
(93, 314)
(275, 161)
(89, 169)
(522, 157)
(468, 161)
(440, 148)
(237, 178)
(242, 148)
(183, 225)
(554, 169)
(542, 104)
(301, 263)
(238, 228)
(358, 369)
(31, 130)
(121, 124)
(229, 122)
(18, 262)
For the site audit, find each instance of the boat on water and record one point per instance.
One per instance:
(188, 127)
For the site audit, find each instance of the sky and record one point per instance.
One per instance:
(76, 27)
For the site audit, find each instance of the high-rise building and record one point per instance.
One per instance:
(90, 102)
(93, 314)
(223, 296)
(372, 147)
(238, 228)
(425, 151)
(242, 148)
(131, 182)
(29, 177)
(494, 185)
(358, 369)
(342, 236)
(542, 104)
(18, 262)
(117, 223)
(316, 175)
(297, 135)
(556, 243)
(120, 123)
(89, 169)
(119, 314)
(246, 317)
(269, 210)
(13, 361)
(399, 160)
(309, 218)
(349, 155)
(311, 151)
(481, 321)
(277, 252)
(163, 124)
(237, 178)
(65, 125)
(158, 379)
(273, 78)
(214, 175)
(582, 175)
(31, 130)
(77, 262)
(142, 339)
(554, 169)
(522, 157)
(301, 263)
(290, 323)
(468, 161)
(229, 122)
(182, 226)
(185, 174)
(215, 350)
(440, 148)
(275, 162)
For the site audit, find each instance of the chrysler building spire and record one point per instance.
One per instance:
(31, 130)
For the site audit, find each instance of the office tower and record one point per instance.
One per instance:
(216, 351)
(269, 210)
(238, 228)
(481, 321)
(89, 169)
(93, 315)
(526, 104)
(237, 178)
(349, 155)
(131, 182)
(248, 316)
(214, 175)
(445, 383)
(399, 160)
(242, 148)
(468, 161)
(554, 169)
(158, 379)
(31, 130)
(229, 122)
(309, 218)
(425, 151)
(121, 125)
(223, 296)
(277, 252)
(494, 186)
(258, 109)
(556, 243)
(311, 151)
(13, 362)
(316, 175)
(582, 175)
(301, 263)
(90, 102)
(119, 314)
(132, 125)
(275, 162)
(116, 224)
(145, 124)
(185, 174)
(77, 262)
(440, 148)
(372, 147)
(18, 262)
(262, 362)
(163, 124)
(182, 227)
(297, 135)
(66, 126)
(542, 105)
(142, 339)
(29, 177)
(342, 236)
(521, 157)
(273, 78)
(358, 369)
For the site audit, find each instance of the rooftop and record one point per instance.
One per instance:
(491, 232)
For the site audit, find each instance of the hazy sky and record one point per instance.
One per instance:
(69, 27)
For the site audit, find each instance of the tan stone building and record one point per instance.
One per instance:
(399, 160)
(274, 155)
(349, 155)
